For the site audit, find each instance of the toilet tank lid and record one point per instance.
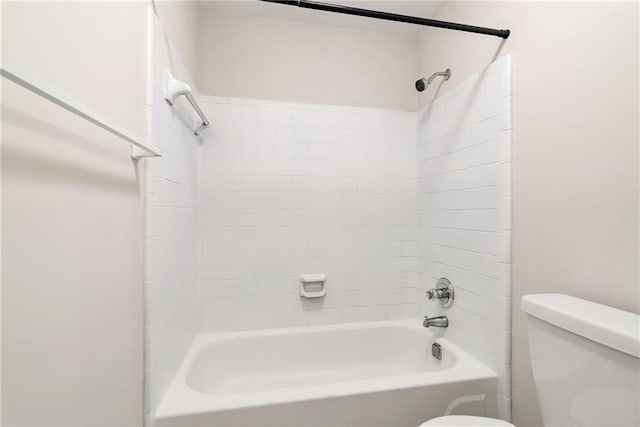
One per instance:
(606, 325)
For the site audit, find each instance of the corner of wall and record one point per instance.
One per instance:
(171, 239)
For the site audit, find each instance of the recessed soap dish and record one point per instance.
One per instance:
(312, 285)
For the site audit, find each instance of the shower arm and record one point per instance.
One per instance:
(446, 73)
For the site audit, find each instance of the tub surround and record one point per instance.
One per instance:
(464, 201)
(380, 202)
(171, 202)
(294, 189)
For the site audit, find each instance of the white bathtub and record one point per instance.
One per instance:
(358, 374)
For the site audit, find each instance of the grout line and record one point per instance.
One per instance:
(482, 187)
(464, 269)
(465, 250)
(459, 170)
(470, 230)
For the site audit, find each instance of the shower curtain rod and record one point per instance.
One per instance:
(392, 17)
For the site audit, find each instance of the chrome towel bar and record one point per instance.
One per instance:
(174, 88)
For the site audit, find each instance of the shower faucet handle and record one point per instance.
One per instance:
(437, 294)
(443, 292)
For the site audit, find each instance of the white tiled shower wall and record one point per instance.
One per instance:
(171, 241)
(291, 189)
(464, 202)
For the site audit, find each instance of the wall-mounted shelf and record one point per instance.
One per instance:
(58, 97)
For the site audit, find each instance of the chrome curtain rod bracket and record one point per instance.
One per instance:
(327, 7)
(174, 88)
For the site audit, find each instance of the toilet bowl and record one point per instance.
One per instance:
(464, 420)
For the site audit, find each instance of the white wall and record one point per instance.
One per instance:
(464, 201)
(291, 189)
(72, 218)
(575, 155)
(287, 60)
(171, 241)
(181, 24)
(99, 62)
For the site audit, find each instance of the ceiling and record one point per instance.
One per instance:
(424, 8)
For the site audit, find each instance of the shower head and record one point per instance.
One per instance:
(421, 84)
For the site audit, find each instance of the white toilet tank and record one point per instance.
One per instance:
(586, 361)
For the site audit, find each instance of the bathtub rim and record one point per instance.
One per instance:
(181, 400)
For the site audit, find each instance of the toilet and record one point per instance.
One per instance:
(464, 420)
(585, 359)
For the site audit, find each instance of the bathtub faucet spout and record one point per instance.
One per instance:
(438, 321)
